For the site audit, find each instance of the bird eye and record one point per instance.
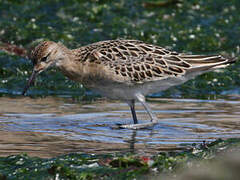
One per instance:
(44, 59)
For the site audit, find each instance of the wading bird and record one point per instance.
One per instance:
(123, 69)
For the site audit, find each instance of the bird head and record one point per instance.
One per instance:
(43, 56)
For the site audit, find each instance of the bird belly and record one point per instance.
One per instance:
(116, 92)
(129, 92)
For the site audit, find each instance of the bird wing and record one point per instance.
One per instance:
(138, 62)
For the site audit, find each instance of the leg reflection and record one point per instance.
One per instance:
(132, 141)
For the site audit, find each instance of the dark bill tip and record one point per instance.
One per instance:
(30, 81)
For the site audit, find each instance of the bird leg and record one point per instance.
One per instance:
(153, 117)
(132, 107)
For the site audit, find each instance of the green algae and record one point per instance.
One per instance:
(204, 27)
(112, 166)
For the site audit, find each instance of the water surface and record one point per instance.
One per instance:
(51, 126)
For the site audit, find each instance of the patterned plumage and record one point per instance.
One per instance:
(124, 69)
(139, 62)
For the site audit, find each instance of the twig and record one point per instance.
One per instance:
(13, 49)
(160, 3)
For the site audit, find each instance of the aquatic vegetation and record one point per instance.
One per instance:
(118, 166)
(189, 26)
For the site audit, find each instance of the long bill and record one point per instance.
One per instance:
(30, 81)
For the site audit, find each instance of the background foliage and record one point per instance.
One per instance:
(197, 26)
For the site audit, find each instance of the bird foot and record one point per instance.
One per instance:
(134, 126)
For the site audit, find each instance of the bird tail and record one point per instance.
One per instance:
(207, 62)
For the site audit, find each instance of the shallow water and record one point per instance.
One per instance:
(50, 126)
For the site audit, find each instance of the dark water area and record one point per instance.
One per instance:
(46, 127)
(198, 27)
